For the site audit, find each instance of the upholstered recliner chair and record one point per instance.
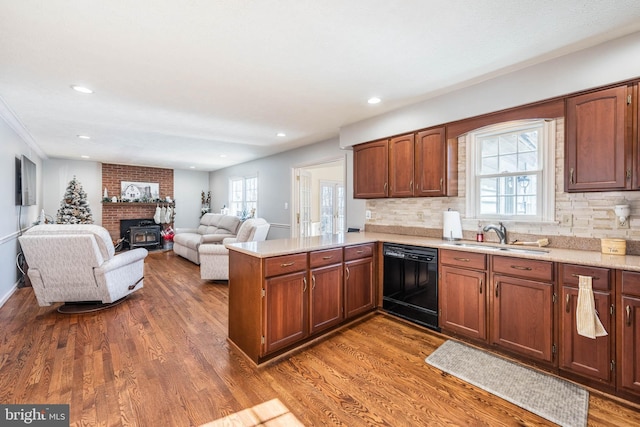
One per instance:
(214, 259)
(77, 263)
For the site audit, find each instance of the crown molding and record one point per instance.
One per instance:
(14, 123)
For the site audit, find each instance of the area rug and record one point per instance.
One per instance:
(552, 398)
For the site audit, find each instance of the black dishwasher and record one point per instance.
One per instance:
(410, 287)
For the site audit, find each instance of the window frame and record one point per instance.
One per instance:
(546, 176)
(244, 190)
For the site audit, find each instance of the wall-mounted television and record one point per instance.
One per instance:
(25, 181)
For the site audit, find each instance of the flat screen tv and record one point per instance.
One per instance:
(25, 181)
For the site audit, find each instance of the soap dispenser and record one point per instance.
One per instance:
(480, 234)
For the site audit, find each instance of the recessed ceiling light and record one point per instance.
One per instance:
(81, 89)
(374, 100)
(281, 134)
(84, 137)
(192, 167)
(223, 155)
(84, 156)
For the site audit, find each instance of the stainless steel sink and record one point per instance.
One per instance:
(499, 248)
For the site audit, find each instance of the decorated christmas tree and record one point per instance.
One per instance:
(74, 208)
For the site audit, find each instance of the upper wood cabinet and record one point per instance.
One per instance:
(371, 170)
(401, 166)
(436, 164)
(599, 140)
(418, 164)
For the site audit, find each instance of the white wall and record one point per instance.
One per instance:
(607, 63)
(14, 218)
(274, 184)
(188, 186)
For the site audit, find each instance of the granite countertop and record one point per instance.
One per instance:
(277, 247)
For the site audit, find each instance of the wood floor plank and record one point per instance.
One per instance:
(162, 358)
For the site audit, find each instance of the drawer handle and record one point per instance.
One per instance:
(287, 264)
(462, 259)
(326, 257)
(520, 267)
(628, 310)
(578, 276)
(304, 288)
(360, 251)
(566, 306)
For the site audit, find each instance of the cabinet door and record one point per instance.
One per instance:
(285, 310)
(401, 149)
(431, 163)
(370, 170)
(522, 315)
(630, 348)
(589, 357)
(325, 304)
(598, 151)
(358, 286)
(462, 302)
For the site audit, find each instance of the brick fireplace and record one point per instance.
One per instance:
(113, 175)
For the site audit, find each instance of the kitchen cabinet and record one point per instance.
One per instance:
(462, 293)
(589, 358)
(285, 301)
(279, 302)
(418, 164)
(358, 279)
(521, 305)
(629, 326)
(401, 166)
(599, 140)
(436, 164)
(371, 170)
(326, 294)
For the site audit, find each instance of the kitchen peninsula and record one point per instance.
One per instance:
(286, 293)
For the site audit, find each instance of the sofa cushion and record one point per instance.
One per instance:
(190, 240)
(228, 225)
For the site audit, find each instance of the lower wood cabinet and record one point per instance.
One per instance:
(326, 294)
(462, 294)
(522, 307)
(285, 301)
(279, 302)
(593, 359)
(629, 325)
(358, 279)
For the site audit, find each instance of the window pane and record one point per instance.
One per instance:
(508, 163)
(489, 165)
(508, 144)
(489, 147)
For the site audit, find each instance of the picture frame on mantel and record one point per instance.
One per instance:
(139, 191)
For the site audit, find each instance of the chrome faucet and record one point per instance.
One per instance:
(500, 230)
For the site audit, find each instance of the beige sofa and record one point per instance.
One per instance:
(214, 259)
(213, 228)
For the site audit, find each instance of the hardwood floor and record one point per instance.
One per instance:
(161, 358)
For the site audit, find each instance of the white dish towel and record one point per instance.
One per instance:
(587, 321)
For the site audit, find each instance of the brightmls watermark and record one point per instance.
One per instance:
(34, 415)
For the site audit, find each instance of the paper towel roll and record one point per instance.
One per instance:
(452, 227)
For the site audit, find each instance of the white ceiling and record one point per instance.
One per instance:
(179, 83)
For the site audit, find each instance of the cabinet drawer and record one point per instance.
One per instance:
(358, 251)
(527, 268)
(285, 264)
(327, 257)
(569, 274)
(631, 283)
(473, 260)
